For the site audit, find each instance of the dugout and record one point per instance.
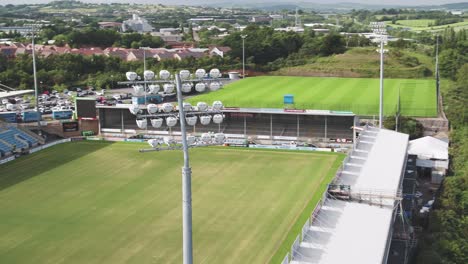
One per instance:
(262, 123)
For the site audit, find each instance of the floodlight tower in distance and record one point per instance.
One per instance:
(380, 29)
(36, 92)
(243, 36)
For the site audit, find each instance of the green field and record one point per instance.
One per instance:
(425, 25)
(416, 22)
(99, 202)
(359, 95)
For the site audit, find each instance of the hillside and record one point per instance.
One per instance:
(364, 62)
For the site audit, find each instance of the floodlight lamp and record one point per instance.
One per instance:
(205, 120)
(138, 89)
(186, 87)
(164, 74)
(167, 107)
(154, 88)
(131, 76)
(149, 75)
(142, 123)
(169, 88)
(200, 87)
(152, 108)
(184, 74)
(202, 106)
(157, 122)
(171, 121)
(206, 137)
(134, 109)
(191, 140)
(187, 107)
(219, 138)
(218, 118)
(200, 73)
(217, 105)
(215, 73)
(191, 120)
(214, 86)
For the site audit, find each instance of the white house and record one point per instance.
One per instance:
(137, 24)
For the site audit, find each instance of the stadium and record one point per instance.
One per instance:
(283, 196)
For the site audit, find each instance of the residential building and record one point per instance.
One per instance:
(137, 24)
(260, 19)
(219, 51)
(187, 54)
(110, 25)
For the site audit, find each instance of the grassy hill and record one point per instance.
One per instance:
(364, 62)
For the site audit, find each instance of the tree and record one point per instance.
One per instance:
(406, 125)
(332, 44)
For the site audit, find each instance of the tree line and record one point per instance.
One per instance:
(445, 236)
(265, 50)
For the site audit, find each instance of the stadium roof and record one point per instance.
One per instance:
(382, 167)
(360, 232)
(258, 110)
(14, 93)
(429, 148)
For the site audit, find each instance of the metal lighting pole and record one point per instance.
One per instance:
(381, 82)
(144, 68)
(437, 73)
(36, 92)
(243, 55)
(186, 183)
(379, 29)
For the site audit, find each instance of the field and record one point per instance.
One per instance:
(425, 25)
(99, 202)
(416, 22)
(359, 95)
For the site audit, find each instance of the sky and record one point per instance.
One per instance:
(191, 2)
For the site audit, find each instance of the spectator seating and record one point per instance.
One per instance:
(12, 138)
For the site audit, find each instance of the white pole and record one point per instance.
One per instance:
(381, 82)
(36, 92)
(243, 55)
(186, 183)
(144, 77)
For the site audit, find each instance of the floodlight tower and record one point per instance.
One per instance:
(243, 55)
(380, 29)
(36, 92)
(155, 113)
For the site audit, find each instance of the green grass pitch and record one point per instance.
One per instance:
(99, 202)
(359, 95)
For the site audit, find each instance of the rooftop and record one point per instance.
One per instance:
(359, 232)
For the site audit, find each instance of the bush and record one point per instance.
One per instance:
(406, 125)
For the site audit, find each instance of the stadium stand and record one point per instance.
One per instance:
(14, 139)
(258, 122)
